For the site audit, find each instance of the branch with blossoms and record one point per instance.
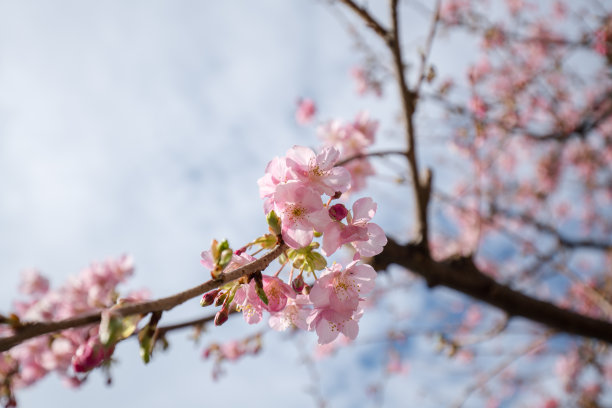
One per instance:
(85, 320)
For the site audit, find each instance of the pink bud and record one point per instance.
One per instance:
(298, 284)
(221, 317)
(90, 355)
(338, 212)
(209, 298)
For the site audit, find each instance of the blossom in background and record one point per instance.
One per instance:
(305, 111)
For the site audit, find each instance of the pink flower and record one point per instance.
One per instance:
(335, 297)
(478, 107)
(305, 111)
(367, 238)
(365, 82)
(276, 291)
(360, 170)
(329, 323)
(300, 210)
(277, 172)
(33, 283)
(248, 302)
(318, 171)
(251, 308)
(294, 314)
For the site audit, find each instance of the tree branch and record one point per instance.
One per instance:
(463, 276)
(34, 329)
(409, 101)
(367, 18)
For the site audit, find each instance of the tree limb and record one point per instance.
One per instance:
(463, 276)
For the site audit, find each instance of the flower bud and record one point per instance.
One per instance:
(220, 298)
(338, 212)
(208, 298)
(298, 284)
(221, 316)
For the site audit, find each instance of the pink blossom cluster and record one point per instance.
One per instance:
(73, 351)
(333, 305)
(293, 187)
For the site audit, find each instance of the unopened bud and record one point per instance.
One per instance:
(220, 298)
(221, 316)
(209, 298)
(298, 284)
(338, 212)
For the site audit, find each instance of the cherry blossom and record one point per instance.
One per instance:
(367, 238)
(305, 111)
(301, 210)
(317, 170)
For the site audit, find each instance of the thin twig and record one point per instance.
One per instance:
(34, 329)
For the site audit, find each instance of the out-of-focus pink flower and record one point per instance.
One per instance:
(33, 283)
(478, 107)
(90, 355)
(365, 82)
(305, 111)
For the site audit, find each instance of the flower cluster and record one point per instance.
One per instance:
(298, 191)
(69, 352)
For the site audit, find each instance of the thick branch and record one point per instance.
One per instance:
(463, 276)
(34, 329)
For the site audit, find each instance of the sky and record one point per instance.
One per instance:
(141, 127)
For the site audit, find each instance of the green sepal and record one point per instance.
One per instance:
(114, 328)
(259, 289)
(146, 345)
(266, 241)
(225, 257)
(274, 223)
